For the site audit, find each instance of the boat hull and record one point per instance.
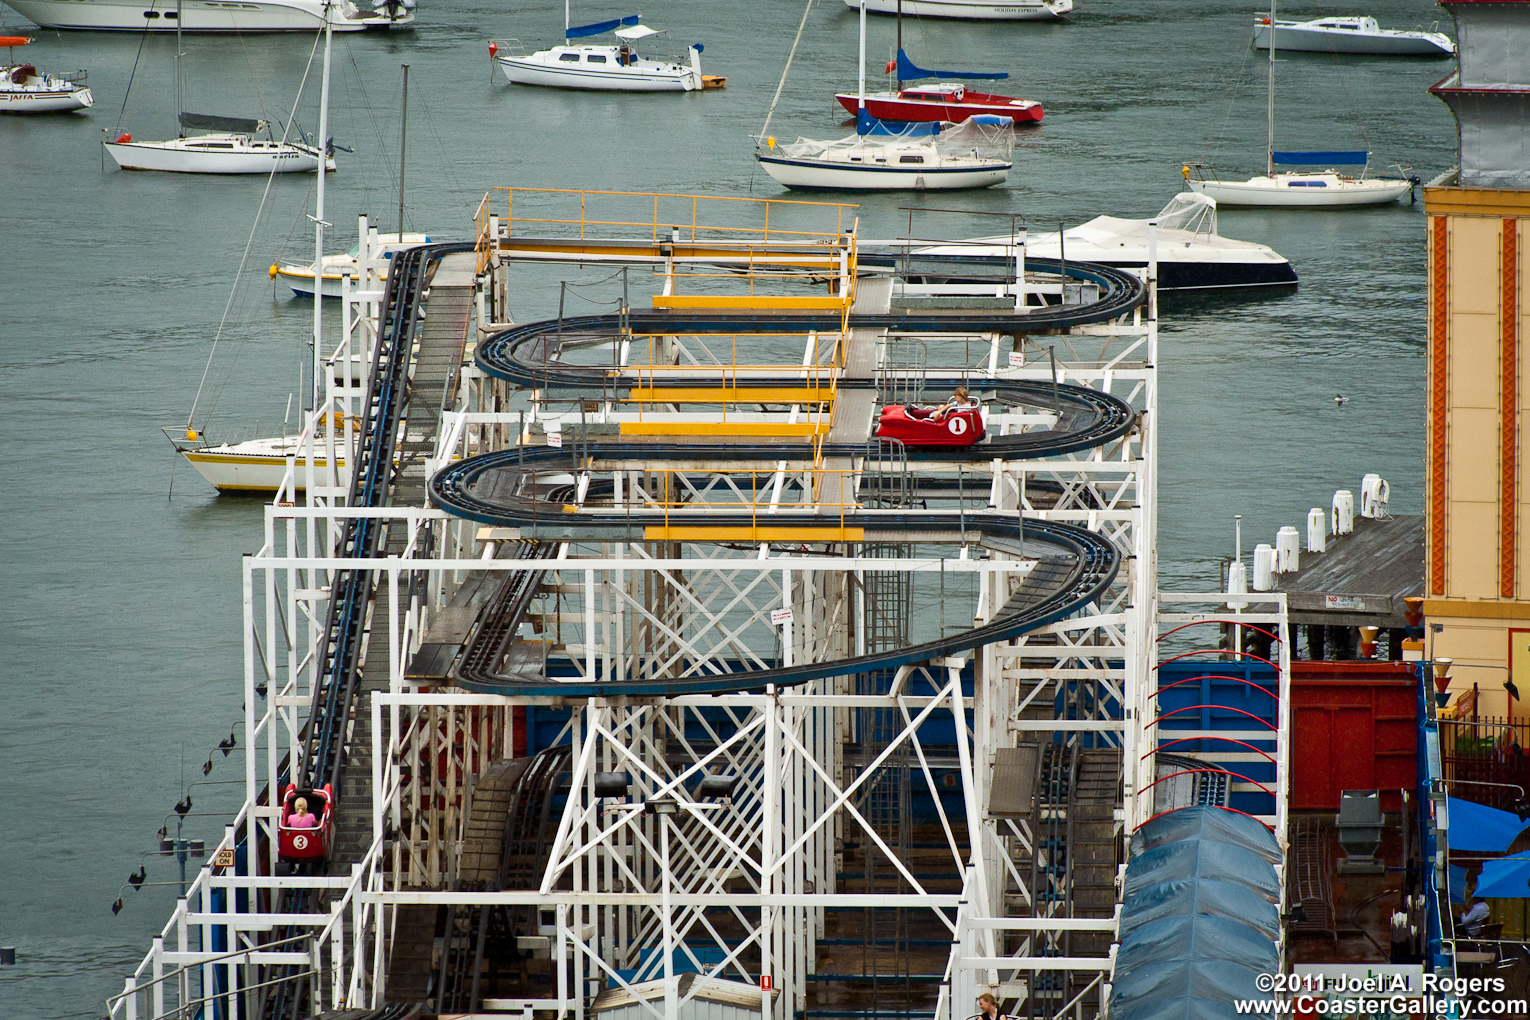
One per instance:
(523, 71)
(201, 16)
(973, 10)
(821, 174)
(171, 157)
(231, 469)
(1290, 38)
(46, 101)
(1262, 191)
(890, 106)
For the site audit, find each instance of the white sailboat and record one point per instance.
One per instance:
(262, 465)
(25, 89)
(230, 146)
(1326, 188)
(916, 157)
(604, 68)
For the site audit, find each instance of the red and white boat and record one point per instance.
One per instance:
(945, 101)
(952, 102)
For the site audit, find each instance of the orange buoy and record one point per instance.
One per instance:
(493, 48)
(14, 40)
(124, 137)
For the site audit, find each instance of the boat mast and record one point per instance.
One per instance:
(180, 131)
(565, 20)
(899, 66)
(403, 140)
(862, 76)
(318, 217)
(1269, 148)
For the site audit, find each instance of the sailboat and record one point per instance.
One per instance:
(260, 465)
(244, 16)
(230, 146)
(976, 10)
(883, 156)
(606, 68)
(25, 89)
(943, 101)
(1306, 189)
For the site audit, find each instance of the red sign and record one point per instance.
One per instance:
(764, 982)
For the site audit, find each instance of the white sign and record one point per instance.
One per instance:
(780, 616)
(555, 439)
(1016, 359)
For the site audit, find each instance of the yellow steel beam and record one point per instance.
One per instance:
(702, 533)
(722, 429)
(731, 395)
(748, 301)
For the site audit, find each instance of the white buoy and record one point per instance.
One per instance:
(1317, 530)
(1374, 493)
(1343, 512)
(1287, 550)
(1237, 584)
(1264, 567)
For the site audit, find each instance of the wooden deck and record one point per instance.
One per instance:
(1362, 578)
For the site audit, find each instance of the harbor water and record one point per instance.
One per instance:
(120, 649)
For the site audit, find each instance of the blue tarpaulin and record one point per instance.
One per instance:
(1481, 829)
(600, 27)
(1198, 919)
(866, 124)
(1505, 878)
(908, 71)
(1346, 157)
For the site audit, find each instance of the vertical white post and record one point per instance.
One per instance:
(770, 834)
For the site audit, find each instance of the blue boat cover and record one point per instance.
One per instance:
(1348, 157)
(907, 71)
(1216, 824)
(1482, 829)
(1187, 897)
(601, 27)
(866, 124)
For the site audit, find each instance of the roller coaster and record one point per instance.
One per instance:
(638, 703)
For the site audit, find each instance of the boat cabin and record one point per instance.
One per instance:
(943, 93)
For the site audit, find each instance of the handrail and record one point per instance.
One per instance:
(263, 948)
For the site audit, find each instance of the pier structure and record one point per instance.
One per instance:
(647, 675)
(1477, 527)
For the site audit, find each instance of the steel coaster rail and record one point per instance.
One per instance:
(1079, 571)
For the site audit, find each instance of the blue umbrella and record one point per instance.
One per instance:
(1481, 829)
(1457, 884)
(1505, 878)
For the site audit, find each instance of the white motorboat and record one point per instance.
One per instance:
(869, 164)
(222, 152)
(973, 10)
(1191, 254)
(605, 68)
(299, 276)
(25, 89)
(1322, 189)
(213, 15)
(1349, 35)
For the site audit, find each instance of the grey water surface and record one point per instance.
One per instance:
(120, 651)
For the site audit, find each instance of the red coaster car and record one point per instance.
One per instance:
(301, 844)
(918, 425)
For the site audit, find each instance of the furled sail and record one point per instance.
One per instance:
(600, 27)
(1348, 157)
(907, 71)
(209, 122)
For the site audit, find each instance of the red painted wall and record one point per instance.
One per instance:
(1354, 727)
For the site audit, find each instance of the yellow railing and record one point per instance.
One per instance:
(754, 499)
(689, 218)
